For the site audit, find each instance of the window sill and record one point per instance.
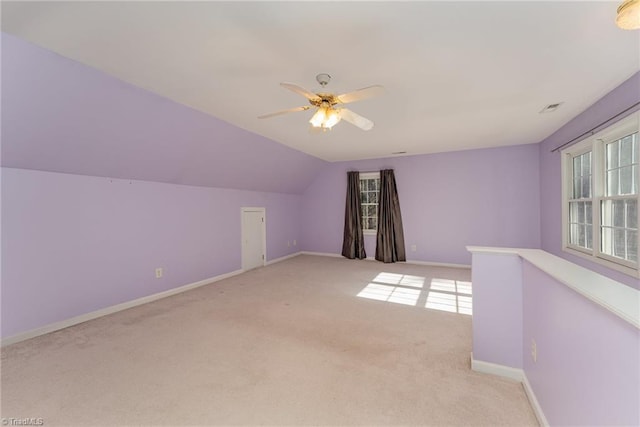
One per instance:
(369, 232)
(630, 271)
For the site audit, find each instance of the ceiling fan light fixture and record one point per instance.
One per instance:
(628, 17)
(332, 118)
(325, 118)
(318, 118)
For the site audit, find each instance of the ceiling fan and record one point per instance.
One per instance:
(329, 106)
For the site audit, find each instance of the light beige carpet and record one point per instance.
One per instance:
(288, 344)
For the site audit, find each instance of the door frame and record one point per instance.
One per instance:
(263, 211)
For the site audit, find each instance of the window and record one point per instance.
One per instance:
(580, 203)
(369, 191)
(601, 196)
(619, 206)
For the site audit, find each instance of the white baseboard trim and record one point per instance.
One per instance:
(322, 254)
(112, 309)
(439, 264)
(514, 374)
(431, 264)
(282, 258)
(537, 409)
(499, 370)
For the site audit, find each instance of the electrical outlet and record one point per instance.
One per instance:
(288, 243)
(534, 350)
(414, 248)
(294, 243)
(159, 272)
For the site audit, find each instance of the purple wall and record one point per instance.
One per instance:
(62, 116)
(613, 103)
(487, 197)
(587, 371)
(497, 312)
(73, 244)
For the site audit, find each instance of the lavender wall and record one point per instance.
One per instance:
(587, 371)
(497, 313)
(62, 116)
(621, 98)
(487, 197)
(73, 244)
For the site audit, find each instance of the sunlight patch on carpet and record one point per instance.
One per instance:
(390, 293)
(453, 296)
(400, 279)
(450, 295)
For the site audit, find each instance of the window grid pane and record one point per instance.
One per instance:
(580, 206)
(632, 246)
(621, 166)
(582, 176)
(580, 224)
(619, 230)
(369, 203)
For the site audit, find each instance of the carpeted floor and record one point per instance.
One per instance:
(288, 344)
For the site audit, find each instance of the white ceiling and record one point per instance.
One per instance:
(458, 75)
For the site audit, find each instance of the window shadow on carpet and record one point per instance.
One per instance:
(453, 296)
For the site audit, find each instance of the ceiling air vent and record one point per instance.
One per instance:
(550, 108)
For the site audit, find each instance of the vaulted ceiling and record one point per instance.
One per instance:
(62, 116)
(458, 75)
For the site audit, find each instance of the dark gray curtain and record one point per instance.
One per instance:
(390, 241)
(353, 240)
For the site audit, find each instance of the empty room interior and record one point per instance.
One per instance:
(320, 213)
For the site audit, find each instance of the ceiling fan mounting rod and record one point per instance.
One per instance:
(323, 79)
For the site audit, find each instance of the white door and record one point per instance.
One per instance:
(253, 238)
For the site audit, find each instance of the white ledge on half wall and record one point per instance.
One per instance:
(622, 300)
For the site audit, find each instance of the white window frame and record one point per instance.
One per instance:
(569, 186)
(370, 175)
(596, 144)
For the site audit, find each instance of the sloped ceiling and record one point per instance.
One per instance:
(62, 116)
(458, 75)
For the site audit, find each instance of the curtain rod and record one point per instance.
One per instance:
(373, 171)
(593, 130)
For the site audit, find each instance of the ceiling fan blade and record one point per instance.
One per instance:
(290, 110)
(300, 91)
(360, 94)
(356, 119)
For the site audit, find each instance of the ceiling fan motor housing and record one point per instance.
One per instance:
(325, 100)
